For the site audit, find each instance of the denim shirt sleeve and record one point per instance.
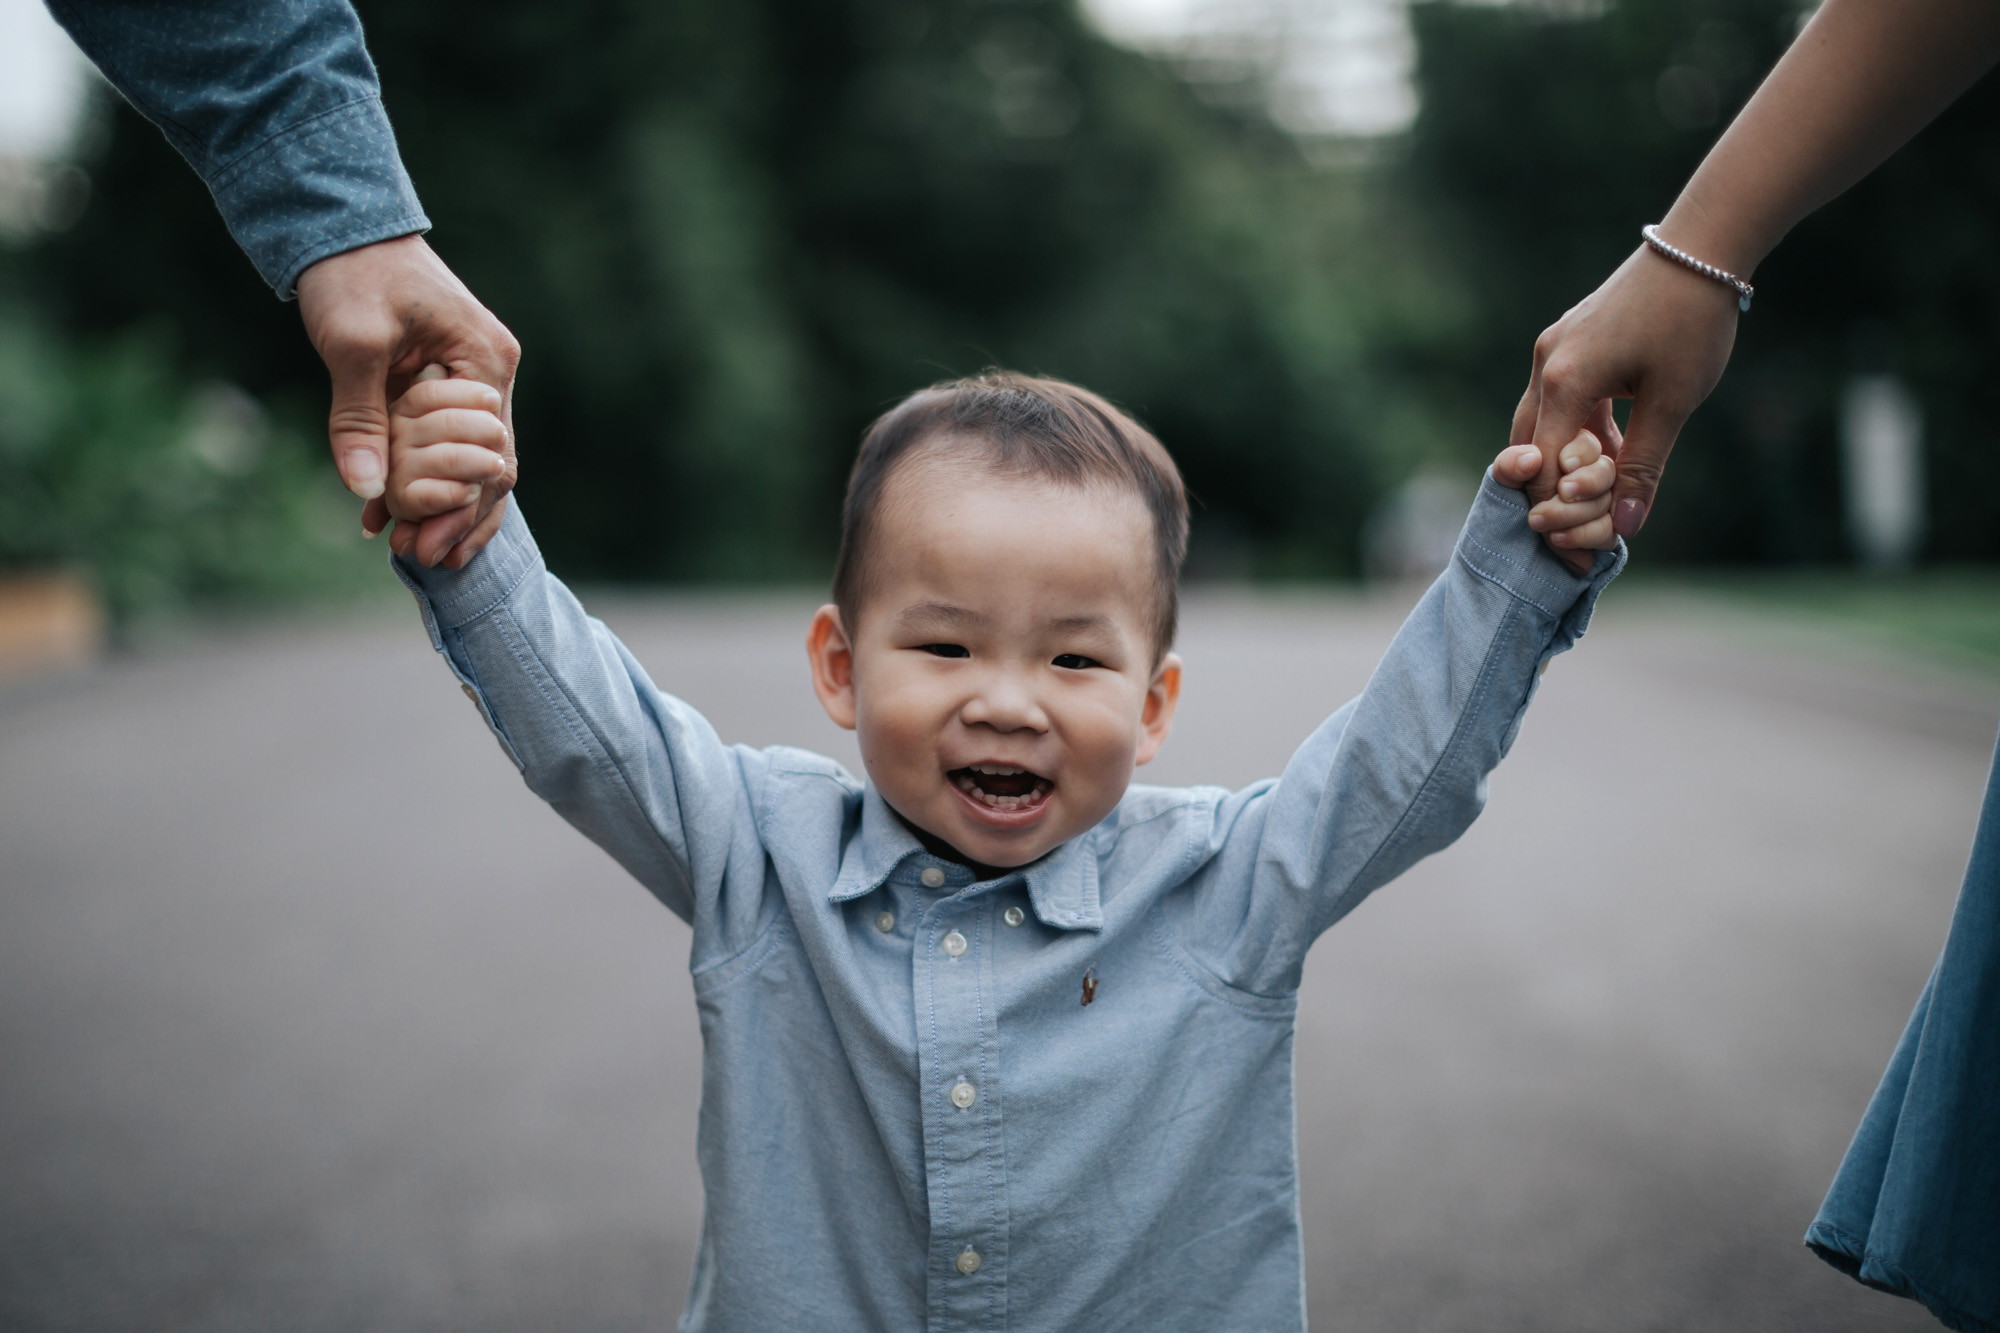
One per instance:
(637, 771)
(1400, 771)
(276, 106)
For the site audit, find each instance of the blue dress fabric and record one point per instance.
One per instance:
(1915, 1207)
(276, 106)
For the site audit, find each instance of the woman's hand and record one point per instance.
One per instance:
(1862, 77)
(1655, 333)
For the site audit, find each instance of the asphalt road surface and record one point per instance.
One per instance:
(311, 1017)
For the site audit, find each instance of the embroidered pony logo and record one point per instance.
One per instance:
(1089, 985)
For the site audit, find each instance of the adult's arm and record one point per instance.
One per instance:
(1862, 78)
(276, 106)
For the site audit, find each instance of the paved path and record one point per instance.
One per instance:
(312, 1018)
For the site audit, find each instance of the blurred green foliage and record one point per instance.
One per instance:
(162, 492)
(1545, 142)
(728, 234)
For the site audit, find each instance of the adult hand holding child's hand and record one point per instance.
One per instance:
(376, 314)
(1653, 333)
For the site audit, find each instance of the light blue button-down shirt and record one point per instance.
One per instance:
(1060, 1099)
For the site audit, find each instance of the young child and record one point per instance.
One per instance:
(996, 1039)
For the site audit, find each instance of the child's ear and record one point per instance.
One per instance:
(832, 658)
(1162, 697)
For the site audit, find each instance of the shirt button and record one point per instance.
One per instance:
(969, 1261)
(1013, 916)
(932, 877)
(954, 944)
(885, 922)
(963, 1094)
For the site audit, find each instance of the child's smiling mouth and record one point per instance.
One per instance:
(1001, 788)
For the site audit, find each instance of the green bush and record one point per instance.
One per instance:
(729, 232)
(161, 492)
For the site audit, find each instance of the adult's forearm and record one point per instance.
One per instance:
(275, 105)
(1862, 78)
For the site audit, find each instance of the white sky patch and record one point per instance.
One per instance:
(1333, 67)
(44, 84)
(43, 79)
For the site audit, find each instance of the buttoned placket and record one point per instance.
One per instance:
(959, 1080)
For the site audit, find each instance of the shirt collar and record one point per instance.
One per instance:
(1062, 886)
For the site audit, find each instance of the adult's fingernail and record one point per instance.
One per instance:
(367, 535)
(1631, 516)
(363, 471)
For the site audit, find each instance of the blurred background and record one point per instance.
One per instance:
(276, 1053)
(1309, 243)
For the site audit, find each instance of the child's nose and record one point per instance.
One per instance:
(1004, 703)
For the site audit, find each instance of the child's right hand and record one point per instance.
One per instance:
(1577, 519)
(445, 440)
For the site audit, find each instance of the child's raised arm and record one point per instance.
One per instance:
(1400, 772)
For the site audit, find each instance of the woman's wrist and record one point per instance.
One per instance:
(1713, 236)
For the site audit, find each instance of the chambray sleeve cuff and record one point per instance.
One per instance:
(1499, 546)
(276, 106)
(332, 184)
(453, 598)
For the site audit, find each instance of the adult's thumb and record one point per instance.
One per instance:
(358, 425)
(1649, 438)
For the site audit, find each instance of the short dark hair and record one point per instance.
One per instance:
(1028, 427)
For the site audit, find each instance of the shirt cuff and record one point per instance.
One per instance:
(1499, 546)
(451, 599)
(330, 184)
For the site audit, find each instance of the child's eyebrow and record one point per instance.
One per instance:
(942, 614)
(930, 616)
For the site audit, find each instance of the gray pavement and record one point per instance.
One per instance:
(312, 1018)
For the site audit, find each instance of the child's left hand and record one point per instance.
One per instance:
(1577, 520)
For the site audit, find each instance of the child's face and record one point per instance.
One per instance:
(1001, 679)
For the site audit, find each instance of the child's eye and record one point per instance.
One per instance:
(946, 650)
(1074, 661)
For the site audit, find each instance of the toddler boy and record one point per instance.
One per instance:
(996, 1039)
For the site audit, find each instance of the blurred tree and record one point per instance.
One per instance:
(160, 492)
(1548, 134)
(728, 234)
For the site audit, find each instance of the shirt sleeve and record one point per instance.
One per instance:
(276, 106)
(1399, 772)
(639, 772)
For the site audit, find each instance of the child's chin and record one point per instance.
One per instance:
(1001, 848)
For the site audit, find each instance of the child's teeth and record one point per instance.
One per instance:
(965, 783)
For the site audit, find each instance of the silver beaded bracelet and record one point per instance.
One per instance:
(1744, 291)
